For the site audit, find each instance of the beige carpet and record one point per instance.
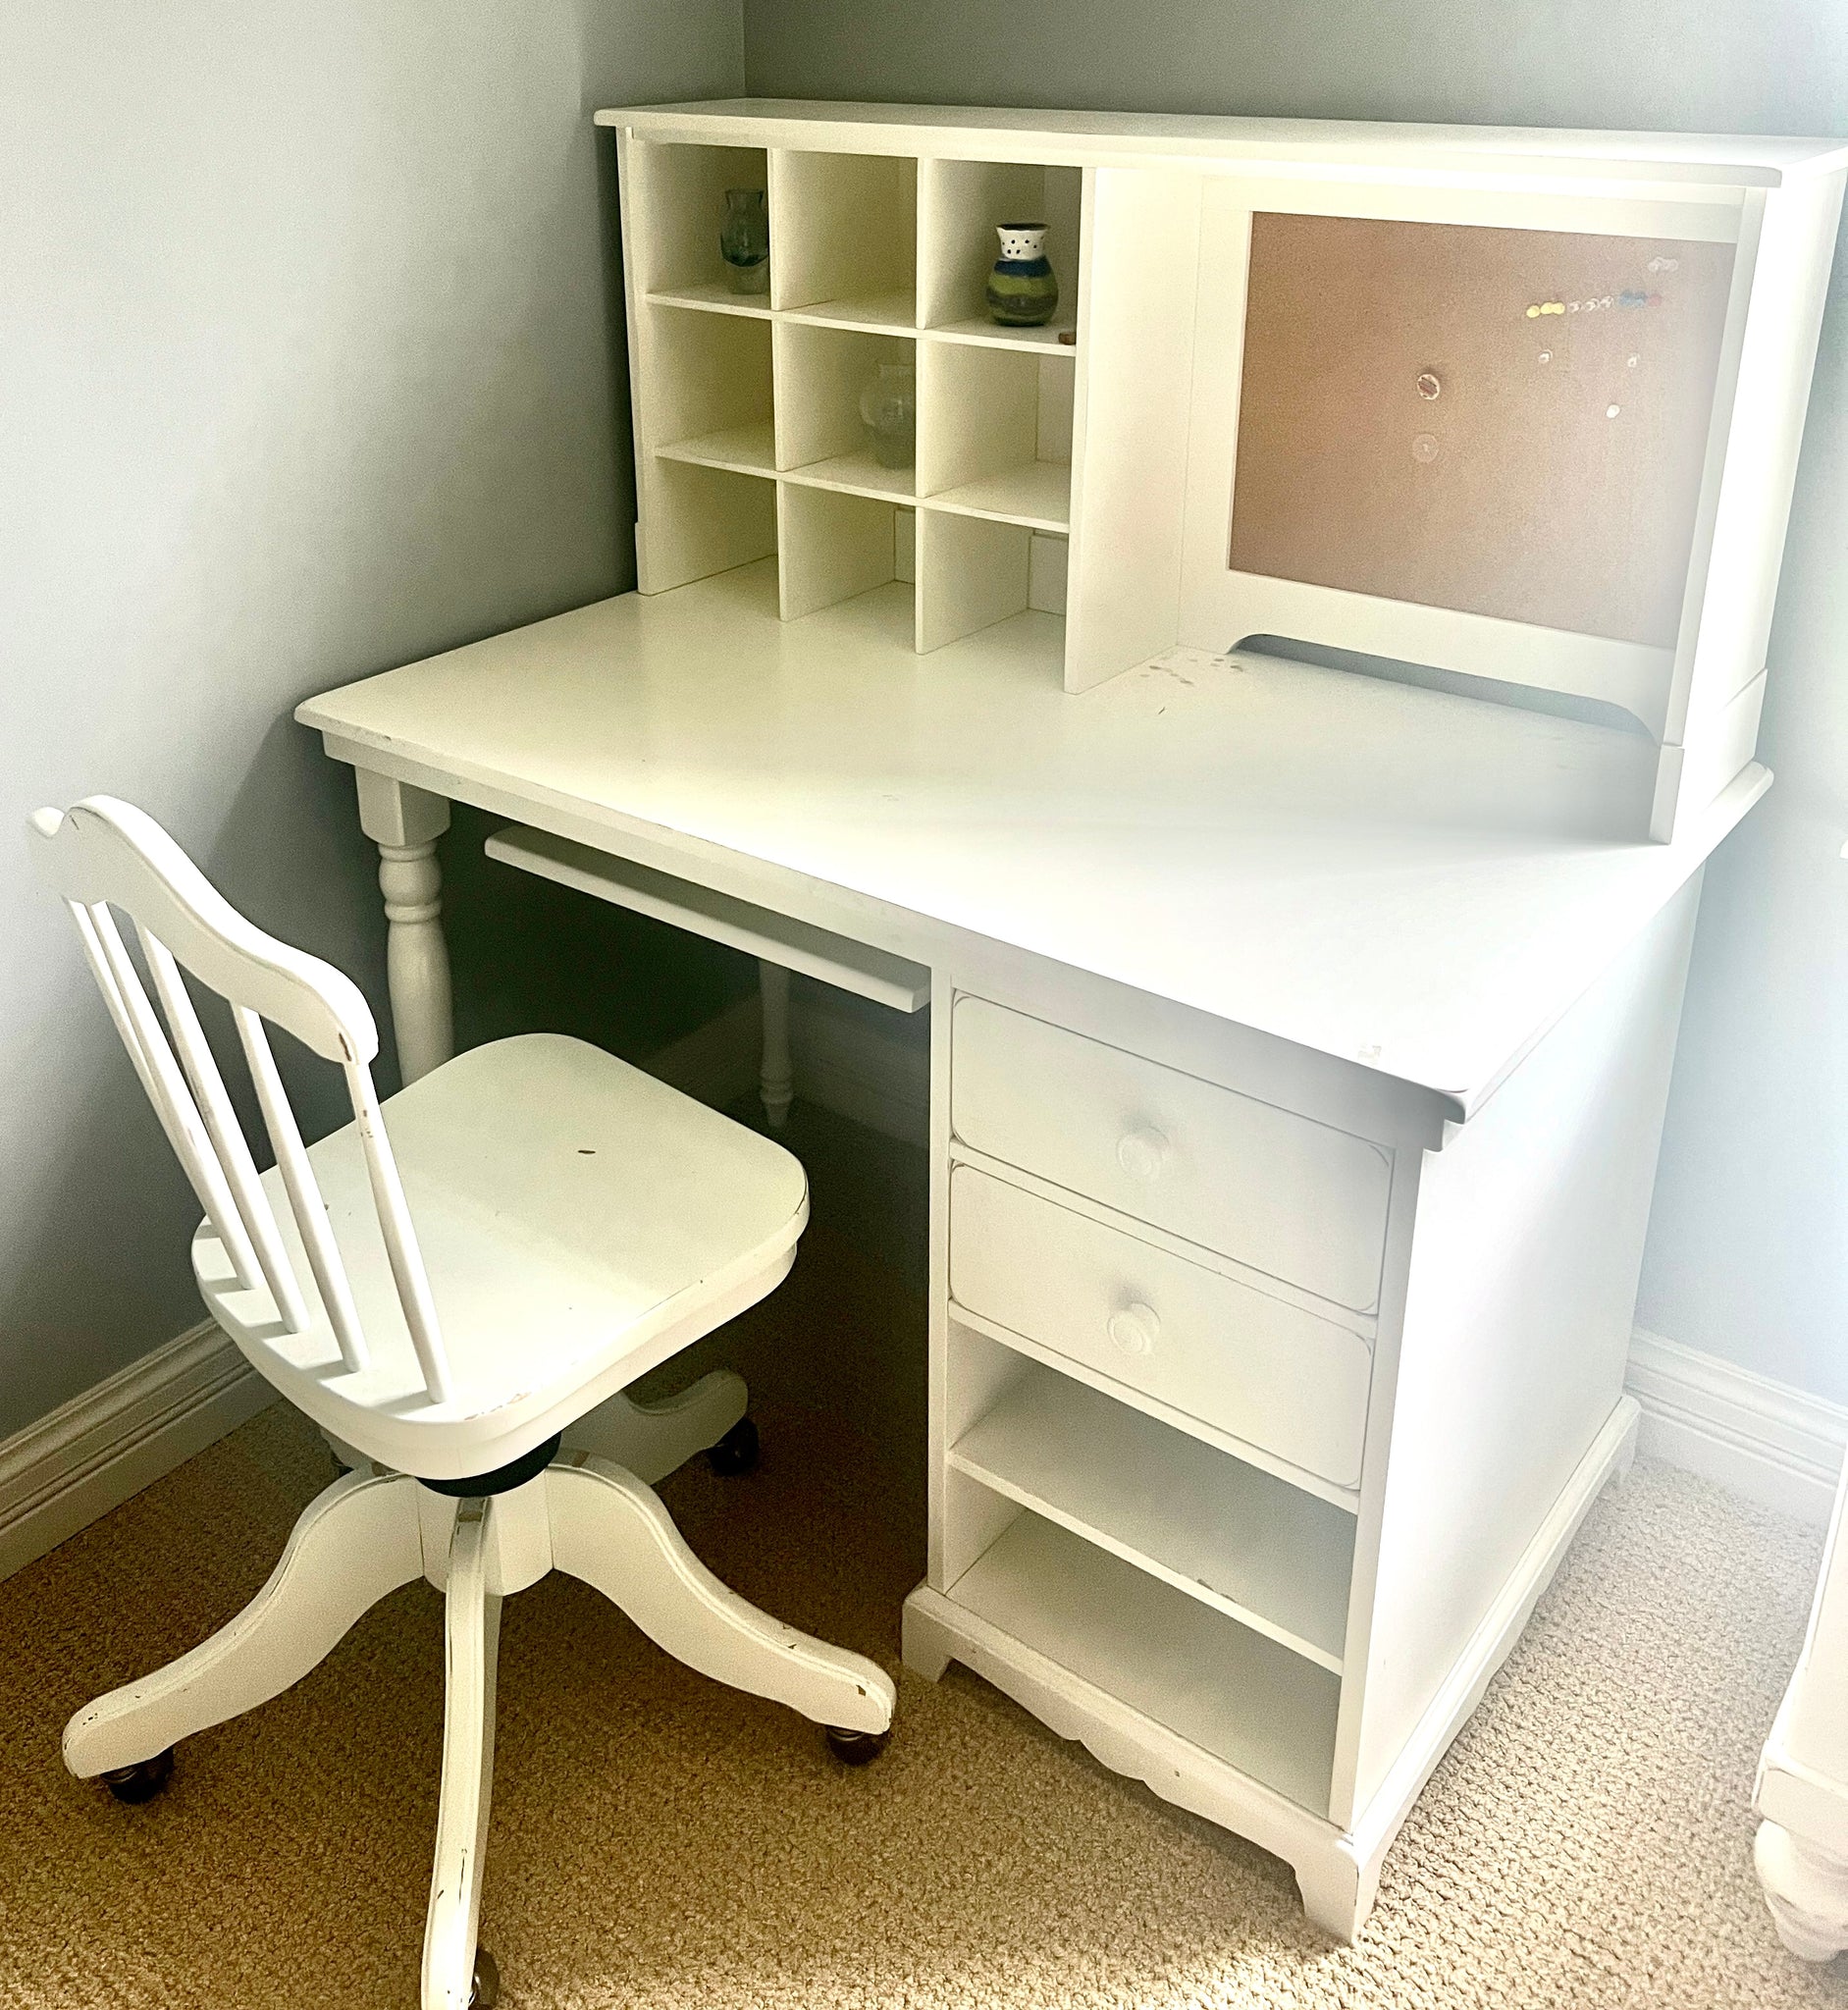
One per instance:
(659, 1841)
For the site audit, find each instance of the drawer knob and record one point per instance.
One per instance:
(1134, 1328)
(1144, 1151)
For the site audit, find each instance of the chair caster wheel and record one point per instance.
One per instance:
(138, 1784)
(857, 1748)
(485, 1990)
(736, 1452)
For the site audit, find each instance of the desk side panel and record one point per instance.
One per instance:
(1526, 1252)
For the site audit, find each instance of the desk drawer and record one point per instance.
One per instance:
(1263, 1371)
(1291, 1198)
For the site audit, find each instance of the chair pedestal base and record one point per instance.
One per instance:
(369, 1533)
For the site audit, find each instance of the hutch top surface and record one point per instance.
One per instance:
(1723, 160)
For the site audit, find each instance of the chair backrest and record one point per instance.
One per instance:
(103, 855)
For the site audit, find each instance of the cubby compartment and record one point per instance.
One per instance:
(994, 436)
(836, 546)
(675, 218)
(844, 245)
(961, 206)
(1241, 1541)
(1219, 1684)
(822, 437)
(709, 394)
(698, 520)
(973, 574)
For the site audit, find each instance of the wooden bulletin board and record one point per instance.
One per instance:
(1410, 428)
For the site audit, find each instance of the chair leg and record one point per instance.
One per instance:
(472, 1623)
(356, 1542)
(654, 1439)
(608, 1529)
(776, 1076)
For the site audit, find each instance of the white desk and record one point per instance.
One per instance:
(1299, 1050)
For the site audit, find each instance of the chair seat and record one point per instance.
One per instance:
(580, 1222)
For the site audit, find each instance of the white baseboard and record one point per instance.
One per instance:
(93, 1452)
(1761, 1439)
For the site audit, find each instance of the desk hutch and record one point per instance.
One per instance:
(1301, 1017)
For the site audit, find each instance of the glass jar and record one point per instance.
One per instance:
(889, 406)
(745, 241)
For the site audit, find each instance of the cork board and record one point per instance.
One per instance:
(1408, 428)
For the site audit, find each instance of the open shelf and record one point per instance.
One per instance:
(961, 205)
(749, 450)
(712, 296)
(835, 546)
(877, 313)
(1224, 1687)
(1241, 1542)
(675, 220)
(821, 436)
(844, 243)
(996, 434)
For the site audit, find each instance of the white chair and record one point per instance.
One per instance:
(576, 1222)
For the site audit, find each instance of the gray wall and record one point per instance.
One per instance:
(1751, 1222)
(305, 370)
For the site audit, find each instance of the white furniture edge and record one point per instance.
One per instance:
(979, 132)
(103, 1445)
(797, 945)
(1337, 1871)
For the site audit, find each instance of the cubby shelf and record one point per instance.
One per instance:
(712, 297)
(1250, 1547)
(1036, 494)
(1225, 1688)
(857, 475)
(893, 313)
(746, 449)
(981, 332)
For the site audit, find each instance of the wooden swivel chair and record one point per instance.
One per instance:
(575, 1224)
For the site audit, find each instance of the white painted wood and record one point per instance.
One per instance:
(671, 237)
(776, 1080)
(1516, 1326)
(1688, 778)
(1295, 1199)
(844, 232)
(609, 1531)
(654, 1439)
(960, 203)
(1130, 442)
(1251, 1547)
(405, 824)
(1221, 1686)
(970, 576)
(821, 373)
(96, 1451)
(356, 1542)
(835, 960)
(1255, 1368)
(1806, 1889)
(1773, 1443)
(1678, 161)
(835, 547)
(1277, 828)
(994, 432)
(749, 450)
(471, 1652)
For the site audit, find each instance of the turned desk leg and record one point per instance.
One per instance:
(777, 1080)
(405, 822)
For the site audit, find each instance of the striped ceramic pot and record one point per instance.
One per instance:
(1023, 288)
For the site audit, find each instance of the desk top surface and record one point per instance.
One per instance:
(1415, 881)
